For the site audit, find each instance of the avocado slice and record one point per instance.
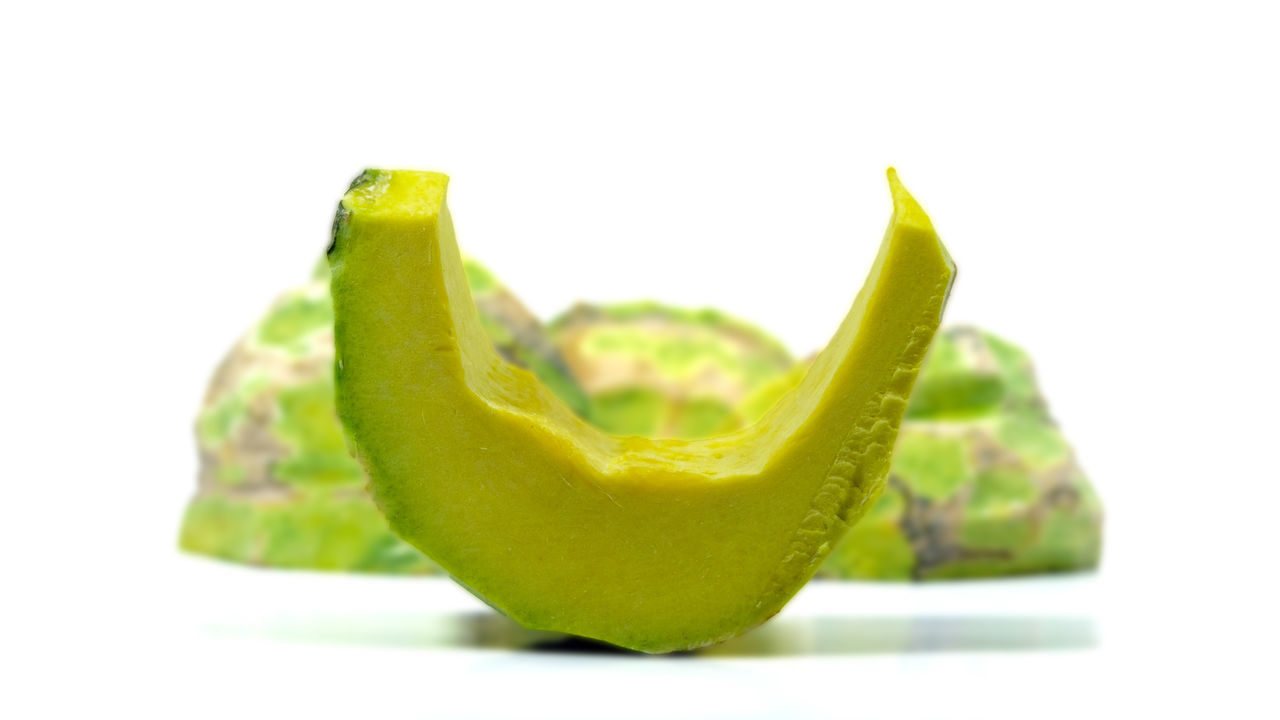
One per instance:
(651, 544)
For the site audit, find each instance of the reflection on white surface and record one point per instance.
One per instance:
(798, 636)
(850, 635)
(827, 618)
(223, 641)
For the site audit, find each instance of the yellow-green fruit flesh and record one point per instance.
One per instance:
(651, 544)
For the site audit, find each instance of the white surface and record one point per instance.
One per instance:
(1103, 173)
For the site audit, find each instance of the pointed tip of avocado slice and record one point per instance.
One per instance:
(908, 213)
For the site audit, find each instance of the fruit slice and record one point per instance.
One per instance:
(651, 544)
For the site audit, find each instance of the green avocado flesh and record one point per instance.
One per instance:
(651, 544)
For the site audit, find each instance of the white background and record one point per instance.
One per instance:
(1105, 176)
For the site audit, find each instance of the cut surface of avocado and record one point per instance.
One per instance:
(651, 544)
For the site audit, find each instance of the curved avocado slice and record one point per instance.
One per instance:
(651, 544)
